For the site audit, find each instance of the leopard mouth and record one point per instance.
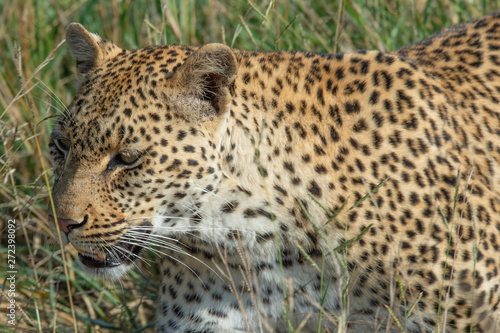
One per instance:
(122, 253)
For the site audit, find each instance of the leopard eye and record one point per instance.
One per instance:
(126, 159)
(63, 145)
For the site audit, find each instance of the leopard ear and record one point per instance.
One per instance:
(208, 74)
(89, 49)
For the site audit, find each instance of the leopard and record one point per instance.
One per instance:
(290, 190)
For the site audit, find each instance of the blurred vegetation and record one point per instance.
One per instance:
(36, 81)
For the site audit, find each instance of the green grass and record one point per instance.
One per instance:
(37, 80)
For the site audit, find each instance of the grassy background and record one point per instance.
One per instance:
(36, 81)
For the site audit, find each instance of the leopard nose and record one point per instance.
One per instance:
(66, 225)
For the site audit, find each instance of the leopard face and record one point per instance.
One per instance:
(377, 172)
(142, 160)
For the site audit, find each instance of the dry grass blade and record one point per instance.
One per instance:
(22, 92)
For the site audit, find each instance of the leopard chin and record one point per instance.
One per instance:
(112, 265)
(109, 273)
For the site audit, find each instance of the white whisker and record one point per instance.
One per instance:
(186, 232)
(49, 104)
(158, 216)
(52, 94)
(213, 194)
(190, 228)
(173, 258)
(148, 237)
(125, 252)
